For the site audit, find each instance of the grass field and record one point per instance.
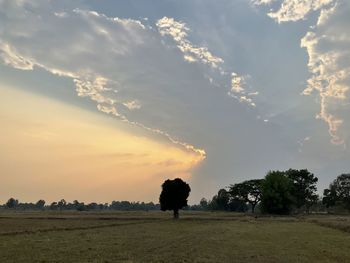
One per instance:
(155, 237)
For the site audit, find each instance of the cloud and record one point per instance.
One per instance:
(240, 89)
(133, 105)
(12, 58)
(94, 50)
(294, 10)
(179, 32)
(263, 2)
(126, 67)
(237, 83)
(328, 47)
(177, 82)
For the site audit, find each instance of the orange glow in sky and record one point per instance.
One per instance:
(52, 150)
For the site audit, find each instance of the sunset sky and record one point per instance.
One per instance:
(103, 100)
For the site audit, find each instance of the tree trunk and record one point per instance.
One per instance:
(176, 213)
(253, 208)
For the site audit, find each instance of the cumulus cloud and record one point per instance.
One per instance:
(294, 10)
(328, 47)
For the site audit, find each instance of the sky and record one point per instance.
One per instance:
(103, 100)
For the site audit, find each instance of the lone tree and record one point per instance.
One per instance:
(174, 195)
(247, 192)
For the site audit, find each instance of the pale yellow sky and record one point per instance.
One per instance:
(53, 150)
(271, 94)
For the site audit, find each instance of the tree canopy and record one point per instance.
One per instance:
(11, 203)
(174, 195)
(338, 192)
(247, 191)
(277, 195)
(220, 201)
(304, 187)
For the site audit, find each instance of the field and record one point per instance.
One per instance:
(155, 237)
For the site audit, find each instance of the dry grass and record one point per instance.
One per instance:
(154, 237)
(337, 222)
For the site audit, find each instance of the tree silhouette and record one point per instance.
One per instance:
(40, 204)
(174, 195)
(221, 201)
(61, 204)
(11, 203)
(247, 191)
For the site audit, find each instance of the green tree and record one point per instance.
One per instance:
(277, 193)
(213, 204)
(304, 187)
(330, 197)
(174, 195)
(223, 199)
(220, 201)
(238, 206)
(338, 192)
(247, 192)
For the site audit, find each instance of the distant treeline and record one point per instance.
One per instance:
(279, 192)
(80, 206)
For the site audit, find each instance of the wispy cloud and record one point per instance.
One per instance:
(132, 105)
(262, 2)
(239, 90)
(10, 57)
(179, 32)
(85, 49)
